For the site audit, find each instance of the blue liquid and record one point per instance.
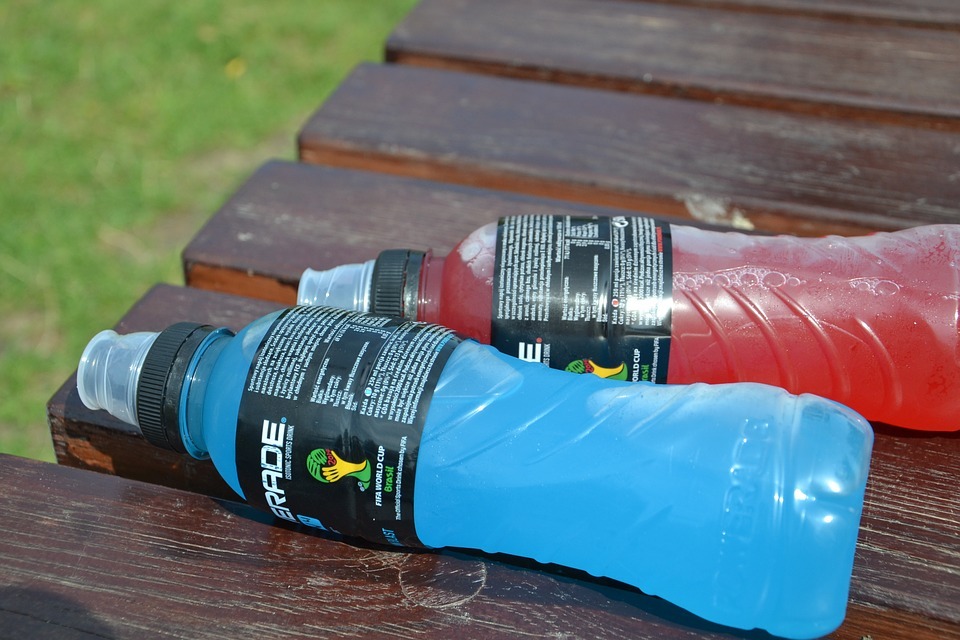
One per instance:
(740, 503)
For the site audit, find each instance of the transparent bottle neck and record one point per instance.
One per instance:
(109, 370)
(193, 394)
(343, 287)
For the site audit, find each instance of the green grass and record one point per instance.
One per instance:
(123, 126)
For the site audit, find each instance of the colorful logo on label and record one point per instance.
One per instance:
(326, 466)
(586, 365)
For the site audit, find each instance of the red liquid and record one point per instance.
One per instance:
(871, 322)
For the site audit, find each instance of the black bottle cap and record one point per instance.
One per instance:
(395, 285)
(161, 382)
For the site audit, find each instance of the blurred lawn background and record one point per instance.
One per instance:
(123, 126)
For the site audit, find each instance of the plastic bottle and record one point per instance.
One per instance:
(740, 503)
(871, 322)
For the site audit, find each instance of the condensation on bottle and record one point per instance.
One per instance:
(870, 321)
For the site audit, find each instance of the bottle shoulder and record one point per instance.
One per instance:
(222, 404)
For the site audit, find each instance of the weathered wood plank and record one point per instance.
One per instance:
(121, 559)
(289, 216)
(907, 568)
(931, 14)
(749, 167)
(90, 555)
(883, 73)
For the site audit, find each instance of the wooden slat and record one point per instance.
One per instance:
(931, 14)
(884, 73)
(89, 555)
(289, 216)
(907, 569)
(743, 166)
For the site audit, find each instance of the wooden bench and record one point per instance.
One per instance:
(932, 14)
(126, 540)
(290, 216)
(743, 166)
(90, 555)
(772, 59)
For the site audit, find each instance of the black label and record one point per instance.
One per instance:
(588, 295)
(331, 418)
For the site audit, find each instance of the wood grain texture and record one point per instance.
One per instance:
(736, 165)
(88, 555)
(906, 574)
(884, 73)
(289, 216)
(121, 559)
(930, 14)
